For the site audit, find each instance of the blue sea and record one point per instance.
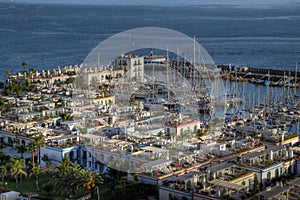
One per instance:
(50, 35)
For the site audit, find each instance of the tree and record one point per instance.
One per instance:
(64, 166)
(160, 134)
(68, 180)
(66, 117)
(36, 171)
(24, 65)
(74, 180)
(46, 159)
(3, 170)
(256, 186)
(9, 89)
(32, 70)
(32, 147)
(39, 141)
(8, 72)
(48, 187)
(70, 80)
(19, 89)
(89, 179)
(128, 189)
(16, 168)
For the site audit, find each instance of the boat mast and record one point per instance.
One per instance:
(98, 59)
(268, 84)
(167, 65)
(295, 85)
(184, 72)
(253, 102)
(154, 92)
(194, 62)
(283, 89)
(258, 96)
(177, 67)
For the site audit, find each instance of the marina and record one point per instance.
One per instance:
(166, 129)
(138, 100)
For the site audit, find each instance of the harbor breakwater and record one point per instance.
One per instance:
(274, 77)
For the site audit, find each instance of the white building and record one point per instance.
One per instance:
(133, 67)
(184, 128)
(97, 76)
(57, 154)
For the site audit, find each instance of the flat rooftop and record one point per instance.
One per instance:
(295, 182)
(226, 184)
(221, 166)
(270, 194)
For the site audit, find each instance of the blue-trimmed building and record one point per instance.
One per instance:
(171, 193)
(57, 154)
(270, 163)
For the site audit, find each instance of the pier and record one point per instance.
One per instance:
(273, 77)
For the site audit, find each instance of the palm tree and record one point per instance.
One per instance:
(3, 170)
(39, 141)
(66, 117)
(16, 168)
(32, 147)
(160, 134)
(19, 89)
(9, 89)
(8, 72)
(64, 166)
(89, 179)
(68, 179)
(47, 160)
(24, 65)
(64, 186)
(36, 171)
(74, 180)
(32, 70)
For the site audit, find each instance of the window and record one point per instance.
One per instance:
(72, 156)
(269, 176)
(276, 173)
